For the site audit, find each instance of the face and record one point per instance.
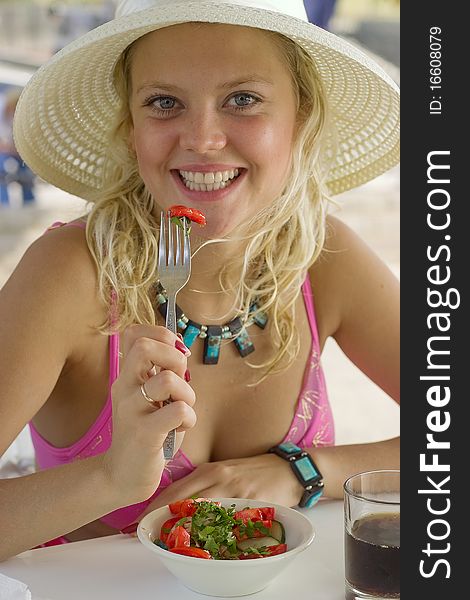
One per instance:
(214, 113)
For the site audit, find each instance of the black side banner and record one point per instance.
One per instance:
(435, 251)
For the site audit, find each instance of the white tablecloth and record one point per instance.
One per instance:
(120, 568)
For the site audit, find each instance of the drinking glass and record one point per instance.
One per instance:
(372, 535)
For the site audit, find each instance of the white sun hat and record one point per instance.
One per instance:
(66, 111)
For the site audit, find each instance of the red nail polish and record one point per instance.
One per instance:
(182, 348)
(180, 335)
(187, 376)
(130, 528)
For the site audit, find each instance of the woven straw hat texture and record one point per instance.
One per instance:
(65, 113)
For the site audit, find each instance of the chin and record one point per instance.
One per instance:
(210, 232)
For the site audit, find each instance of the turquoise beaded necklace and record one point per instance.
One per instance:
(235, 330)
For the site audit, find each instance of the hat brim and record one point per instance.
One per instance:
(64, 115)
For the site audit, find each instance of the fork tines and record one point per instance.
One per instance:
(169, 248)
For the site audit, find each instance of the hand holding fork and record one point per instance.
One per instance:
(174, 269)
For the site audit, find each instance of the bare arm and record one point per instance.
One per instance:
(50, 503)
(42, 309)
(46, 308)
(362, 299)
(36, 337)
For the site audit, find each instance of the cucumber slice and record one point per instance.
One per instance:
(257, 543)
(277, 532)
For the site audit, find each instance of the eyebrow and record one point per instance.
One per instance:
(226, 85)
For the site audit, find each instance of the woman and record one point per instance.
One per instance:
(156, 109)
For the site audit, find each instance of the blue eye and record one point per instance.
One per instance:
(244, 100)
(165, 102)
(162, 105)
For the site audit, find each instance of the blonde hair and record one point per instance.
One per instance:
(283, 240)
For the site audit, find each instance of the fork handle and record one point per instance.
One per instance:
(170, 323)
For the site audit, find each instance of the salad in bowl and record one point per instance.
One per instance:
(203, 528)
(225, 547)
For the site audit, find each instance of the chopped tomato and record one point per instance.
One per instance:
(191, 551)
(167, 527)
(183, 508)
(254, 532)
(267, 512)
(178, 537)
(268, 551)
(253, 514)
(187, 507)
(277, 549)
(193, 214)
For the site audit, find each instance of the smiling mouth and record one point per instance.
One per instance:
(208, 182)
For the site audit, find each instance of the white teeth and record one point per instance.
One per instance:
(206, 182)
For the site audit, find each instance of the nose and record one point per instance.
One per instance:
(202, 132)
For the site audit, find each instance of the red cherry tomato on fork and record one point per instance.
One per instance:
(193, 214)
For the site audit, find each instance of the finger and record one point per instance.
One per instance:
(215, 492)
(167, 385)
(155, 332)
(147, 352)
(176, 415)
(200, 479)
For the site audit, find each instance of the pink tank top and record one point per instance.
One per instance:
(312, 424)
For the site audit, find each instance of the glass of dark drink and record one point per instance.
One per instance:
(372, 535)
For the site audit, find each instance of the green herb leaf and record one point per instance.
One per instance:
(211, 529)
(179, 221)
(182, 521)
(263, 550)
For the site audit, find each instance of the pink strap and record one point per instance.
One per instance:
(57, 224)
(309, 305)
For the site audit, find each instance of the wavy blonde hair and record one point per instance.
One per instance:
(282, 241)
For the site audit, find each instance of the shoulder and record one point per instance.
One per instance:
(58, 275)
(347, 273)
(64, 251)
(49, 310)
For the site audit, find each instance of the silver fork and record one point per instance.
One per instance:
(174, 269)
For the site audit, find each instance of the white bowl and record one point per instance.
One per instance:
(229, 578)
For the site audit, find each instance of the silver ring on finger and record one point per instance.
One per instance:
(154, 403)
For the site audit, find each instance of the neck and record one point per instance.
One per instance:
(203, 299)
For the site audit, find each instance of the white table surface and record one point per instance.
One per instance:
(118, 567)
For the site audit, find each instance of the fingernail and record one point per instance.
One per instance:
(187, 376)
(180, 335)
(182, 348)
(132, 528)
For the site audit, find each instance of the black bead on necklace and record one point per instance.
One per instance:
(235, 330)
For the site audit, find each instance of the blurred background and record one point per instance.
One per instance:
(31, 31)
